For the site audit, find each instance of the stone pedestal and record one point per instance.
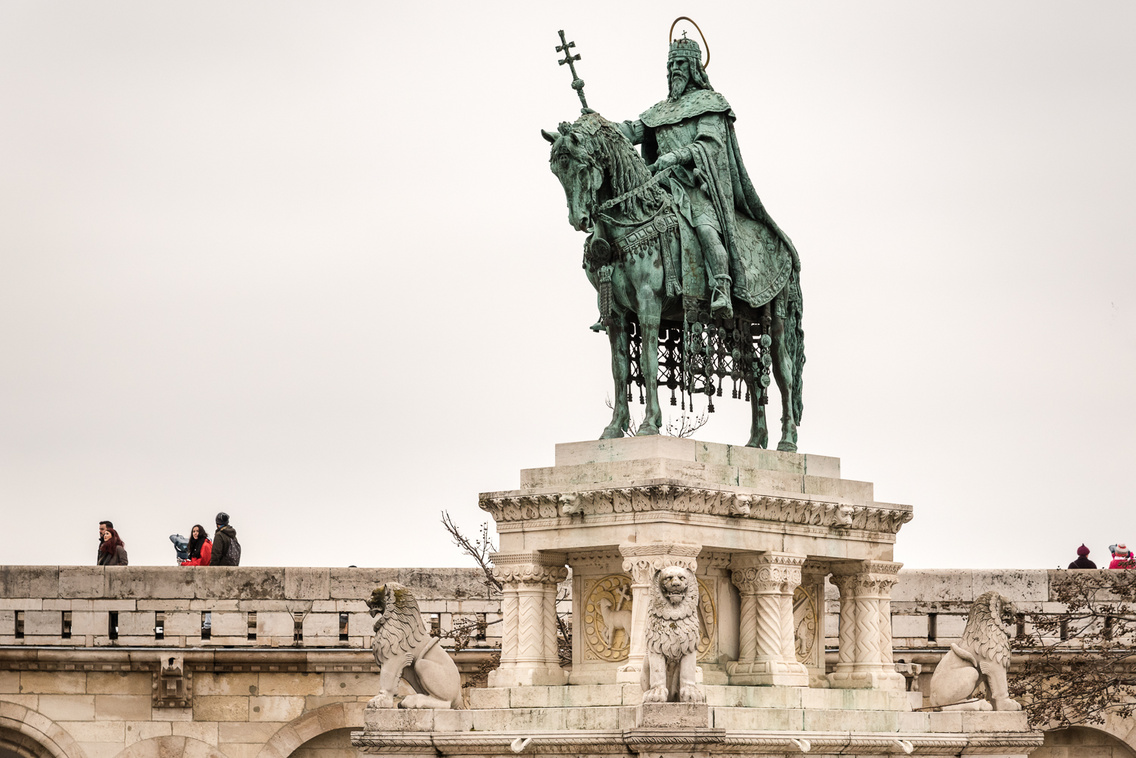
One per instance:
(746, 521)
(762, 531)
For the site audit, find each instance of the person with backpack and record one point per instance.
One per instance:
(226, 549)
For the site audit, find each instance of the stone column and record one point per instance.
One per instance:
(813, 574)
(846, 650)
(865, 626)
(528, 615)
(641, 561)
(766, 642)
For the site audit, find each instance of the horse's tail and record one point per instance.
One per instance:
(795, 337)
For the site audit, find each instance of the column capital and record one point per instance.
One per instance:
(529, 568)
(641, 560)
(765, 572)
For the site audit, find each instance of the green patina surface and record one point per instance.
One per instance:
(698, 287)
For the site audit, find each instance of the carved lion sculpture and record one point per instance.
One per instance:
(672, 639)
(403, 649)
(983, 654)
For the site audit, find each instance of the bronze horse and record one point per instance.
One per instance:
(630, 259)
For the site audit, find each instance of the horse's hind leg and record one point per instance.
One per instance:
(620, 357)
(783, 375)
(758, 429)
(650, 318)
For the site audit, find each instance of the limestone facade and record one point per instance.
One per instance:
(90, 695)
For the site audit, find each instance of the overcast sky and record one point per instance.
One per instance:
(306, 263)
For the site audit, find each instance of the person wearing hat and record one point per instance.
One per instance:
(1122, 557)
(226, 549)
(1082, 561)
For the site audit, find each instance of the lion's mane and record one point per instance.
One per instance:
(983, 635)
(399, 630)
(672, 628)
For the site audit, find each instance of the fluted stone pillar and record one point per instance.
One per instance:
(529, 650)
(767, 653)
(865, 659)
(641, 562)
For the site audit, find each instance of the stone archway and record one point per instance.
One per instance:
(1084, 742)
(185, 747)
(312, 724)
(29, 734)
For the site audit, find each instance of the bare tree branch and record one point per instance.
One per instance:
(479, 549)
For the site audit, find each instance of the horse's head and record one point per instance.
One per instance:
(573, 160)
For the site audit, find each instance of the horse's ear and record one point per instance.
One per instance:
(550, 137)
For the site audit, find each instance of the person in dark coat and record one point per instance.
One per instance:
(1082, 561)
(226, 549)
(112, 551)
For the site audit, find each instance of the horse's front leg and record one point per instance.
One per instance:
(620, 357)
(783, 375)
(758, 429)
(650, 317)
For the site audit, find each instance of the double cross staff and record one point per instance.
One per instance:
(577, 82)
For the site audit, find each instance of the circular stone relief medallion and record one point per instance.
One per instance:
(707, 623)
(607, 619)
(804, 623)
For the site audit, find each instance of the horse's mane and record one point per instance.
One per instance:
(624, 169)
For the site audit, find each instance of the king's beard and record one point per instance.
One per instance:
(678, 84)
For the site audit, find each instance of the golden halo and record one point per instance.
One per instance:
(705, 44)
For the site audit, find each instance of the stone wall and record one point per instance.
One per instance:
(87, 654)
(139, 662)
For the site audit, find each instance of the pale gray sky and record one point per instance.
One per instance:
(305, 263)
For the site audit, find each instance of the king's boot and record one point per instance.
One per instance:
(721, 305)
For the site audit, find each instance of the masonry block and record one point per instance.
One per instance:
(277, 708)
(123, 707)
(307, 584)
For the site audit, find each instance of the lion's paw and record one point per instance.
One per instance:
(691, 693)
(1006, 704)
(382, 700)
(655, 695)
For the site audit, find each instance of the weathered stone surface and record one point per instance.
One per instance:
(220, 708)
(239, 684)
(117, 683)
(673, 715)
(67, 707)
(124, 707)
(262, 708)
(54, 682)
(308, 583)
(29, 581)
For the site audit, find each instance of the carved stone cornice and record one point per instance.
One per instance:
(529, 568)
(877, 517)
(641, 560)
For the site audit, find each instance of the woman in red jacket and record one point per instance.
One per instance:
(200, 547)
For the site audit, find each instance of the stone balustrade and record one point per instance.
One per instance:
(246, 607)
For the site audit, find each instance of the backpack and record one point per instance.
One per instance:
(232, 556)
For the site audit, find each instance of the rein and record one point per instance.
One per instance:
(634, 191)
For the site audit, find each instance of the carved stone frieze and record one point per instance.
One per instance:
(683, 499)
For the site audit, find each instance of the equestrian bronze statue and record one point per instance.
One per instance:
(697, 286)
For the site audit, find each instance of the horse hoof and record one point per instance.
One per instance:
(787, 447)
(612, 433)
(646, 431)
(759, 443)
